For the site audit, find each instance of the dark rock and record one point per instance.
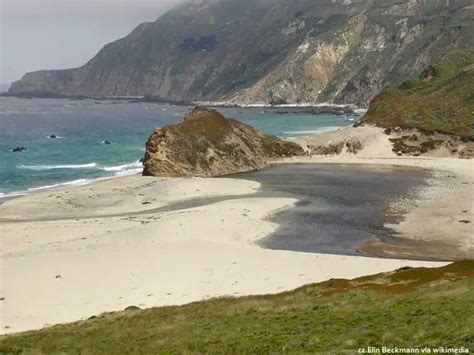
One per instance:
(52, 136)
(19, 149)
(106, 142)
(354, 146)
(429, 73)
(132, 308)
(330, 149)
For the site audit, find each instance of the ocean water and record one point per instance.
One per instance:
(79, 154)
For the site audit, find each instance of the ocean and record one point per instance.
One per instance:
(78, 155)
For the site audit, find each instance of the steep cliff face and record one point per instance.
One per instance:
(208, 144)
(342, 51)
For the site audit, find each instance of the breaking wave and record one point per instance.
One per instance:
(52, 167)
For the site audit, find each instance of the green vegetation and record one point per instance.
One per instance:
(401, 147)
(441, 100)
(407, 308)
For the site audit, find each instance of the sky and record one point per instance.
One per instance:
(59, 34)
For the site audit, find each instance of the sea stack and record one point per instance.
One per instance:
(208, 144)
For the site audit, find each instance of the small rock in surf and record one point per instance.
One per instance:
(19, 149)
(106, 142)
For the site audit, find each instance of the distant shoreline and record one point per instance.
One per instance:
(311, 108)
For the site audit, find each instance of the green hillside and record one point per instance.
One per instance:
(407, 308)
(442, 99)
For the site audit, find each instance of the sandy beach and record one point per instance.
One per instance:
(62, 264)
(439, 216)
(70, 253)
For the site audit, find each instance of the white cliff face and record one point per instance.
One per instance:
(305, 72)
(293, 28)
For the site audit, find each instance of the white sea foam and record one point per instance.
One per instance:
(68, 183)
(60, 166)
(129, 172)
(11, 194)
(119, 170)
(133, 166)
(311, 131)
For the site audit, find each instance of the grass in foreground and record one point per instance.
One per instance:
(408, 308)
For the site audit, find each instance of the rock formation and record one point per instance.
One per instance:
(208, 144)
(246, 51)
(19, 149)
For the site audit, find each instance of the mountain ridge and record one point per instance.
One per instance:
(265, 51)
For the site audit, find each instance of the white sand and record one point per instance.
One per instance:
(66, 270)
(436, 212)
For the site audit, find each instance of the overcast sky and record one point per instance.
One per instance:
(56, 34)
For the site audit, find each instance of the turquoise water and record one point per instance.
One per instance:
(78, 155)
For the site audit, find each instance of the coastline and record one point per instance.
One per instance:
(79, 267)
(104, 246)
(79, 182)
(438, 216)
(309, 107)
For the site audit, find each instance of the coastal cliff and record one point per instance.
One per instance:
(208, 144)
(260, 51)
(439, 100)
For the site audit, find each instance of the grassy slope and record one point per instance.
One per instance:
(445, 103)
(408, 308)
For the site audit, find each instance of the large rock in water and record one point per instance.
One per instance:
(208, 144)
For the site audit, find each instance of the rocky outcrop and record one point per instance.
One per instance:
(247, 51)
(208, 144)
(19, 149)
